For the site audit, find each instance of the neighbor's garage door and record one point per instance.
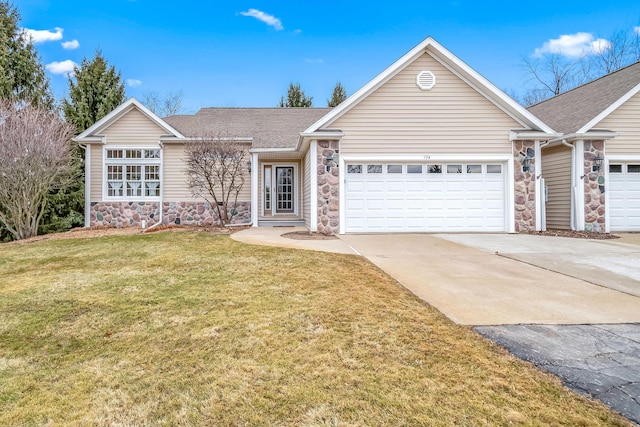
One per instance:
(624, 196)
(448, 197)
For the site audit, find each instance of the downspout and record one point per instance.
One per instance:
(161, 206)
(573, 182)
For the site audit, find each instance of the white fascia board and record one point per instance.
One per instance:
(609, 110)
(97, 139)
(520, 135)
(325, 134)
(373, 84)
(122, 109)
(271, 150)
(586, 136)
(488, 89)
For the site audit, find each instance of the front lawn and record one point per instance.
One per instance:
(187, 328)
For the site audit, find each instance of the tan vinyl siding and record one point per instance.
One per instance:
(96, 173)
(134, 128)
(626, 121)
(451, 118)
(306, 189)
(556, 170)
(176, 187)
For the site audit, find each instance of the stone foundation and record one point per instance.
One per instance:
(131, 214)
(525, 186)
(328, 191)
(594, 188)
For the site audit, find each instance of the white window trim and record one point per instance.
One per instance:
(124, 162)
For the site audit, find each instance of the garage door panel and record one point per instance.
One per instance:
(436, 202)
(624, 200)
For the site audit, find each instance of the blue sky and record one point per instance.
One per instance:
(245, 53)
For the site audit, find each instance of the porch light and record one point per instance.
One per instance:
(526, 164)
(597, 163)
(249, 166)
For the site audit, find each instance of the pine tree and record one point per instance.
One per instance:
(295, 97)
(22, 75)
(339, 94)
(95, 90)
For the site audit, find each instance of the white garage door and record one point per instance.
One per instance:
(624, 196)
(447, 197)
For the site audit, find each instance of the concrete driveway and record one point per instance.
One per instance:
(463, 277)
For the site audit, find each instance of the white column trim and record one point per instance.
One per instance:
(605, 165)
(254, 189)
(510, 213)
(579, 168)
(313, 186)
(87, 185)
(341, 189)
(537, 171)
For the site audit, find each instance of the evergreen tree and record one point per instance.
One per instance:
(95, 90)
(339, 94)
(295, 97)
(22, 75)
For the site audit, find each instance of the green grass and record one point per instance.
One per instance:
(197, 329)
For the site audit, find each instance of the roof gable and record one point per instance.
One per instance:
(98, 127)
(455, 65)
(578, 110)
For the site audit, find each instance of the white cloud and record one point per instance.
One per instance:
(61, 67)
(264, 17)
(314, 61)
(73, 44)
(573, 45)
(134, 82)
(637, 30)
(41, 36)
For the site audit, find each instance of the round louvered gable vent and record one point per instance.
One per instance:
(426, 80)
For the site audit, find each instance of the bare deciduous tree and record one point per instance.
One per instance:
(553, 74)
(169, 105)
(35, 158)
(215, 170)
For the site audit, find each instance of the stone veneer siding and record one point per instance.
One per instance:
(525, 186)
(131, 214)
(594, 187)
(328, 188)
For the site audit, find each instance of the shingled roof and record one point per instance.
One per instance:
(269, 127)
(570, 111)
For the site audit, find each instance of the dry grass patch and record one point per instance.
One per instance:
(196, 329)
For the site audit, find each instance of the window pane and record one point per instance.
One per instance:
(134, 172)
(114, 154)
(152, 173)
(151, 154)
(394, 168)
(633, 168)
(434, 168)
(134, 188)
(374, 168)
(454, 168)
(474, 168)
(615, 168)
(152, 188)
(494, 168)
(414, 168)
(114, 173)
(354, 168)
(115, 189)
(133, 154)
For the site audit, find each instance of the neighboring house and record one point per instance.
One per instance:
(592, 172)
(428, 145)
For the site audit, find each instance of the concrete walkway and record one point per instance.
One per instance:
(272, 236)
(476, 287)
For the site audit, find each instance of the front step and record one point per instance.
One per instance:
(281, 223)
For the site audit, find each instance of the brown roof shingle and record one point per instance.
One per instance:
(269, 127)
(570, 111)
